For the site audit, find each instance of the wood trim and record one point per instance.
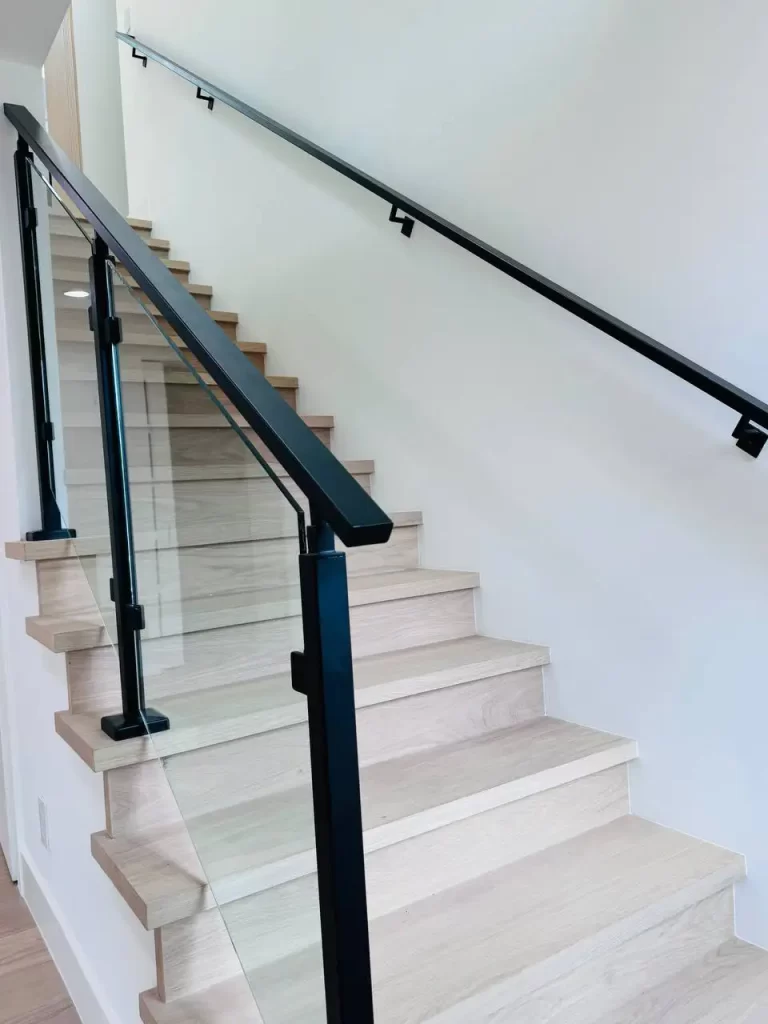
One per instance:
(61, 92)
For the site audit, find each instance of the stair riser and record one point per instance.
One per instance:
(136, 322)
(68, 586)
(603, 983)
(202, 660)
(77, 247)
(283, 920)
(261, 765)
(62, 226)
(193, 954)
(186, 513)
(174, 446)
(73, 275)
(75, 267)
(81, 397)
(75, 345)
(635, 943)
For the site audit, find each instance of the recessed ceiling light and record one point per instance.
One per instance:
(76, 294)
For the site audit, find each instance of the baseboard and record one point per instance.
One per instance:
(89, 1001)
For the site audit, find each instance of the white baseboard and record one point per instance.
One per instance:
(84, 991)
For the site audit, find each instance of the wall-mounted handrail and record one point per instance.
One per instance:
(752, 410)
(332, 491)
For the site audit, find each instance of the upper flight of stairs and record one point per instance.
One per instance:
(508, 881)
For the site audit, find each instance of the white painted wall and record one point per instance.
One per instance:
(101, 107)
(619, 148)
(87, 925)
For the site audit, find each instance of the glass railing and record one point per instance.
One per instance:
(218, 576)
(195, 584)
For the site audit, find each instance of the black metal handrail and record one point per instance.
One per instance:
(752, 410)
(331, 490)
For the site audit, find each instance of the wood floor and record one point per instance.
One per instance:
(31, 991)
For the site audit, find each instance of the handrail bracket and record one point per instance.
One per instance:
(749, 437)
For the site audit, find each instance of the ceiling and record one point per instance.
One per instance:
(28, 27)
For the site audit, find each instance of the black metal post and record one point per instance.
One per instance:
(324, 673)
(136, 719)
(50, 515)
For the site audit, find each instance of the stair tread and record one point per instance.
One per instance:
(402, 797)
(729, 986)
(194, 614)
(65, 275)
(220, 315)
(86, 547)
(232, 711)
(154, 373)
(166, 474)
(469, 951)
(186, 421)
(151, 339)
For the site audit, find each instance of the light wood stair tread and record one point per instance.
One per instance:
(152, 373)
(466, 953)
(219, 315)
(194, 614)
(730, 986)
(137, 223)
(152, 339)
(65, 276)
(206, 717)
(402, 798)
(61, 226)
(169, 474)
(86, 547)
(184, 421)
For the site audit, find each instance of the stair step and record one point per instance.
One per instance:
(182, 421)
(230, 1002)
(70, 274)
(191, 474)
(206, 717)
(61, 226)
(187, 534)
(137, 223)
(61, 633)
(729, 986)
(266, 842)
(484, 950)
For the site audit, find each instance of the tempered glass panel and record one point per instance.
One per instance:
(217, 554)
(64, 251)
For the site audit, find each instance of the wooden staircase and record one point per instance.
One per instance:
(508, 882)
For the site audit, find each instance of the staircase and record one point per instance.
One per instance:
(507, 880)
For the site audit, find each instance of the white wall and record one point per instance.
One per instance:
(87, 924)
(100, 102)
(619, 148)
